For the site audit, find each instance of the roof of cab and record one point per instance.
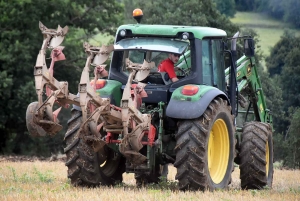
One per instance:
(171, 30)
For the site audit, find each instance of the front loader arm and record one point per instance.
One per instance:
(248, 81)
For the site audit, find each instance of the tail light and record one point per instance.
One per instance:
(99, 83)
(190, 90)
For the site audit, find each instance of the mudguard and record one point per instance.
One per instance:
(111, 90)
(191, 107)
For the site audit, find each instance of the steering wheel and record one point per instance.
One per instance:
(184, 72)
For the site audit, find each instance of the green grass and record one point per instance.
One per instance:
(268, 29)
(268, 38)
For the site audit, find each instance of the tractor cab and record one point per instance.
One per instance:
(152, 50)
(201, 60)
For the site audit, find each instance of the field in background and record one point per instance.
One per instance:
(48, 181)
(268, 29)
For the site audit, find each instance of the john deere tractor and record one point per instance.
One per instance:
(137, 121)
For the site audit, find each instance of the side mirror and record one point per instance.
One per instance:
(249, 47)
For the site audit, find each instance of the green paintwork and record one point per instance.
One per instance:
(184, 61)
(170, 30)
(247, 75)
(177, 94)
(113, 88)
(161, 35)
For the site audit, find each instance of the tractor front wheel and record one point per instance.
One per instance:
(205, 149)
(256, 168)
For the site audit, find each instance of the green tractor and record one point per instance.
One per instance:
(136, 121)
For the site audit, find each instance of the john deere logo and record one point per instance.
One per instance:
(261, 108)
(249, 70)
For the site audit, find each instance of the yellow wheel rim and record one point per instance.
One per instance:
(218, 151)
(267, 158)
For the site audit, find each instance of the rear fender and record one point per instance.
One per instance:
(191, 107)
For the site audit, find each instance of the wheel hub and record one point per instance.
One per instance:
(218, 151)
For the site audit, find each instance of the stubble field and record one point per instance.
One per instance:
(47, 180)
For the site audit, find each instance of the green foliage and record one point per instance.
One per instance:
(226, 7)
(20, 41)
(278, 54)
(129, 6)
(276, 8)
(291, 12)
(245, 5)
(44, 177)
(35, 176)
(287, 10)
(278, 164)
(284, 66)
(290, 79)
(284, 60)
(292, 159)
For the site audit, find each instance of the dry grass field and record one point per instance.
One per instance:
(43, 180)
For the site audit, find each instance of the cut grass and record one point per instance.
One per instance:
(56, 186)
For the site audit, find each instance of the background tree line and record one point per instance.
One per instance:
(20, 41)
(287, 10)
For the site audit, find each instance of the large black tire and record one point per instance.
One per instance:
(205, 149)
(85, 167)
(256, 168)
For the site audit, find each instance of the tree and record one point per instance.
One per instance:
(226, 7)
(291, 78)
(278, 54)
(129, 6)
(20, 41)
(245, 5)
(292, 158)
(291, 12)
(276, 8)
(284, 61)
(284, 66)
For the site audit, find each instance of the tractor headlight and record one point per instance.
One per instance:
(185, 36)
(122, 32)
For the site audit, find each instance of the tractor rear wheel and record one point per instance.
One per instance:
(85, 167)
(205, 149)
(256, 168)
